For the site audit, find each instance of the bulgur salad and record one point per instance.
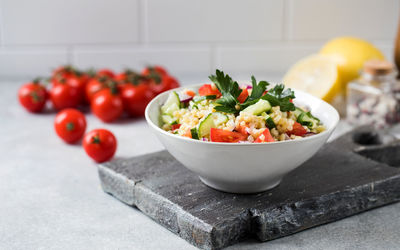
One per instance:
(226, 112)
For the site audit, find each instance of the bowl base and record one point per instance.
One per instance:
(240, 188)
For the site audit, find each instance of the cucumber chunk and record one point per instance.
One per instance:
(172, 104)
(269, 122)
(198, 99)
(213, 120)
(297, 112)
(258, 107)
(167, 119)
(307, 120)
(195, 134)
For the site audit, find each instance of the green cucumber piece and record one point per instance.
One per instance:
(212, 120)
(269, 122)
(195, 134)
(193, 105)
(167, 119)
(172, 104)
(306, 120)
(198, 99)
(297, 112)
(258, 107)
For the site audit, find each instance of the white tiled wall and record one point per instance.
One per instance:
(190, 37)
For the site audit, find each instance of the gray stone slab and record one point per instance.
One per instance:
(342, 179)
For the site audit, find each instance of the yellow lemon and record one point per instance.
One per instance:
(350, 53)
(315, 74)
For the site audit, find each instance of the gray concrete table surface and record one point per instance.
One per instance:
(51, 197)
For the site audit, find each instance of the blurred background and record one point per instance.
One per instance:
(190, 38)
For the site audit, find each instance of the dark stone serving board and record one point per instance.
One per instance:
(344, 178)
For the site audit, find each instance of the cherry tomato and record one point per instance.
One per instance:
(70, 125)
(62, 70)
(207, 89)
(65, 96)
(106, 73)
(125, 76)
(221, 135)
(298, 130)
(100, 144)
(265, 137)
(155, 70)
(136, 98)
(166, 83)
(79, 83)
(107, 104)
(94, 85)
(33, 96)
(62, 73)
(243, 96)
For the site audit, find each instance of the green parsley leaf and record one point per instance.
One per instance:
(256, 92)
(230, 91)
(228, 103)
(279, 96)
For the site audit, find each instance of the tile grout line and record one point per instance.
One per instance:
(1, 24)
(143, 22)
(287, 20)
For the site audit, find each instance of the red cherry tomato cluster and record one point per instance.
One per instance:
(108, 94)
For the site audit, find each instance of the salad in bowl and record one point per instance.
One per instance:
(240, 138)
(224, 111)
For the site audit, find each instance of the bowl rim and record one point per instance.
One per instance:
(157, 128)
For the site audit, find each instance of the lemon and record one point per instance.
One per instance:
(315, 74)
(350, 54)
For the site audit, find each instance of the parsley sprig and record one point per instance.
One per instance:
(230, 91)
(279, 96)
(228, 103)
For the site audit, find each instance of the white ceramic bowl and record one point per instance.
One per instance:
(241, 167)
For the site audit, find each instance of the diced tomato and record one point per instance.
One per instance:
(188, 134)
(298, 130)
(265, 137)
(175, 126)
(243, 131)
(221, 135)
(207, 89)
(243, 96)
(190, 93)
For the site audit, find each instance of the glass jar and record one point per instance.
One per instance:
(374, 98)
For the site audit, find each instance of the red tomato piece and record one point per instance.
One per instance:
(221, 135)
(207, 89)
(265, 137)
(70, 125)
(190, 93)
(298, 130)
(175, 126)
(243, 96)
(243, 131)
(100, 144)
(33, 96)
